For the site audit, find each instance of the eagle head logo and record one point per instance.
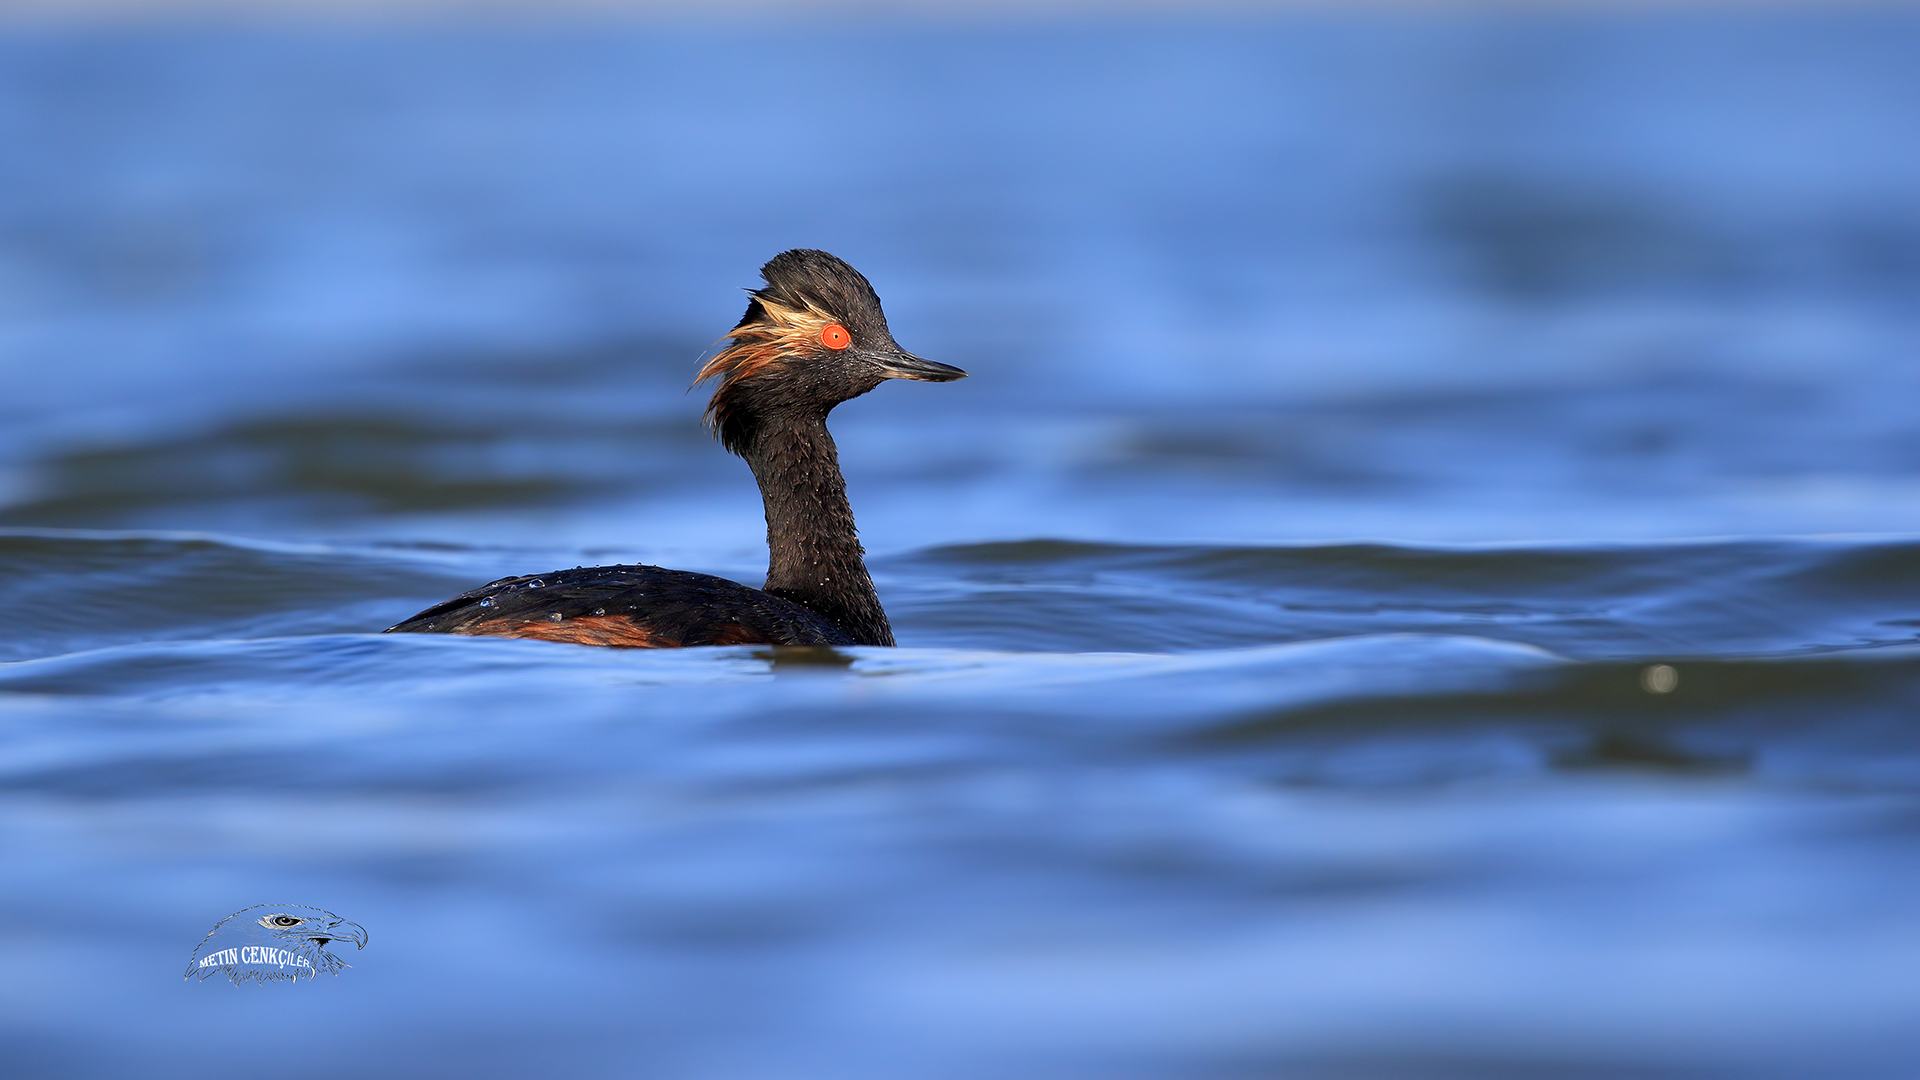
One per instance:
(273, 942)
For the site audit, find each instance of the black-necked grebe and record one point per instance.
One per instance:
(813, 338)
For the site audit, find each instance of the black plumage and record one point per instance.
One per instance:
(677, 607)
(813, 337)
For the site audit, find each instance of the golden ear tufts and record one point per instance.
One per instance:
(784, 332)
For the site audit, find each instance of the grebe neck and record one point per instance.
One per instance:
(814, 552)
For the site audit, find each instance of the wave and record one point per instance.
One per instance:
(79, 590)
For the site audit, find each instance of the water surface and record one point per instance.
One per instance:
(1423, 582)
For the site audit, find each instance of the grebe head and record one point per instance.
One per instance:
(813, 338)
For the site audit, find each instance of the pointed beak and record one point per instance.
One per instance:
(898, 363)
(346, 931)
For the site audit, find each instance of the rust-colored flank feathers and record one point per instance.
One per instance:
(812, 338)
(612, 630)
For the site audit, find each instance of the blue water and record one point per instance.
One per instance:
(1423, 582)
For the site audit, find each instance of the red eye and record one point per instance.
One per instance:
(835, 336)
